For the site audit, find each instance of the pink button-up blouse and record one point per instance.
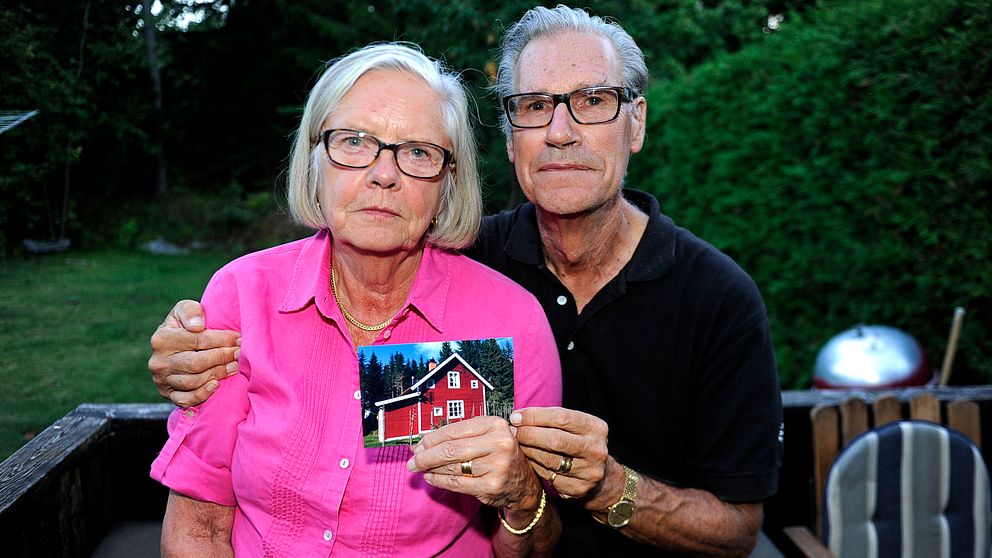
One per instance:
(282, 439)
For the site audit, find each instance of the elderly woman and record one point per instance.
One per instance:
(273, 464)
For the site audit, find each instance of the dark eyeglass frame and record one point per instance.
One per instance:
(325, 137)
(624, 94)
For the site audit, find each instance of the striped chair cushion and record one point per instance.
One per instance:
(908, 489)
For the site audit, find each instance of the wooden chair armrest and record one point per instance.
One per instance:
(806, 542)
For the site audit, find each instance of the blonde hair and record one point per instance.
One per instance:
(460, 212)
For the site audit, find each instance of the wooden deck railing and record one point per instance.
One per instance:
(61, 493)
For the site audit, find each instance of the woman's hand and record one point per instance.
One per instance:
(479, 457)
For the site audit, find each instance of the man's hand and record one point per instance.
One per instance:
(500, 473)
(683, 520)
(187, 360)
(553, 436)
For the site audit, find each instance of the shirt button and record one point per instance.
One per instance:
(189, 413)
(387, 333)
(358, 394)
(571, 345)
(562, 300)
(344, 463)
(328, 535)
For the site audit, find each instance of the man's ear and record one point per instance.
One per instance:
(509, 150)
(639, 112)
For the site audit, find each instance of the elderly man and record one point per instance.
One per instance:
(669, 436)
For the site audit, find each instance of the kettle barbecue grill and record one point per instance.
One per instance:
(872, 357)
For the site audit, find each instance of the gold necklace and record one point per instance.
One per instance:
(349, 317)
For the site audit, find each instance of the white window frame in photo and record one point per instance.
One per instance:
(475, 384)
(454, 380)
(438, 412)
(461, 408)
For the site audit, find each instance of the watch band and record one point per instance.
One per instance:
(619, 514)
(629, 484)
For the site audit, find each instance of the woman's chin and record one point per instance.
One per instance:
(378, 242)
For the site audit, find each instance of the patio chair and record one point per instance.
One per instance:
(905, 488)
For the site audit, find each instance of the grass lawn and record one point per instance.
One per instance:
(74, 329)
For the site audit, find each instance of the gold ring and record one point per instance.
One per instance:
(467, 468)
(565, 465)
(554, 475)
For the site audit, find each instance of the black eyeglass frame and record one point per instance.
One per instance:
(625, 94)
(325, 137)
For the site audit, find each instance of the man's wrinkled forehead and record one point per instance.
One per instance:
(567, 61)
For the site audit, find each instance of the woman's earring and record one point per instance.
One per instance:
(318, 205)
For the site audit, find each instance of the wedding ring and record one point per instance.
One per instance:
(565, 465)
(467, 468)
(554, 475)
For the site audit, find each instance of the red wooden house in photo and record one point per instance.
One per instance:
(449, 392)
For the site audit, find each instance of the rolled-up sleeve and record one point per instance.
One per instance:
(196, 459)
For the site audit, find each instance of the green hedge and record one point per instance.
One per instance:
(846, 163)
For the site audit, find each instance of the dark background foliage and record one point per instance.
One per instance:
(233, 86)
(845, 163)
(839, 150)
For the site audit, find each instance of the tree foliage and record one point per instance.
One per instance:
(846, 163)
(373, 385)
(234, 80)
(75, 64)
(843, 159)
(445, 352)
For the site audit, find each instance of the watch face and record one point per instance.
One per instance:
(620, 513)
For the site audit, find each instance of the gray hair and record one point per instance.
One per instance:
(543, 22)
(461, 199)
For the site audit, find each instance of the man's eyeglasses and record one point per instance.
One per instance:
(357, 150)
(589, 105)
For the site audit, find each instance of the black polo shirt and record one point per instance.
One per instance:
(674, 353)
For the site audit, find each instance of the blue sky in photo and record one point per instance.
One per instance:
(414, 351)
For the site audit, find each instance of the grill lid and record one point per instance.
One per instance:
(872, 356)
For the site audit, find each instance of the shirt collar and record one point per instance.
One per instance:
(429, 293)
(311, 278)
(524, 241)
(655, 253)
(653, 257)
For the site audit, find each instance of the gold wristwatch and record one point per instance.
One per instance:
(619, 514)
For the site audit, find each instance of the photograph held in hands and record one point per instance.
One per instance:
(411, 389)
